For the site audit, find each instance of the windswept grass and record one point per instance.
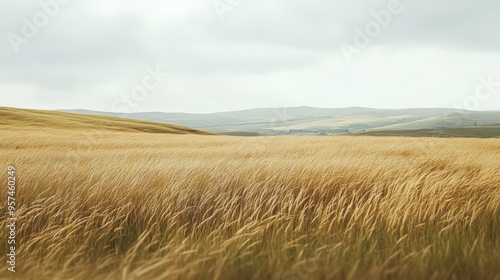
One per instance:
(151, 206)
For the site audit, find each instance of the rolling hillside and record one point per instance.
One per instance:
(309, 120)
(12, 118)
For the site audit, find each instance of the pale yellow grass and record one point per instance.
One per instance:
(151, 206)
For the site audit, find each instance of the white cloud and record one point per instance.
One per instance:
(266, 53)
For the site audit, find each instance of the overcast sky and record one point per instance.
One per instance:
(230, 55)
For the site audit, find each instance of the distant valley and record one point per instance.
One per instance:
(322, 121)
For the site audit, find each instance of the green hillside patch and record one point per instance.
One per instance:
(466, 132)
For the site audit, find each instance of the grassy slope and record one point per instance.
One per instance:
(466, 132)
(24, 118)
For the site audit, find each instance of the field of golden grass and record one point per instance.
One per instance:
(154, 206)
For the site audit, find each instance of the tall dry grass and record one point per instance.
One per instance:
(142, 206)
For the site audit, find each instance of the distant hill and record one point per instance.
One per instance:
(40, 119)
(310, 120)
